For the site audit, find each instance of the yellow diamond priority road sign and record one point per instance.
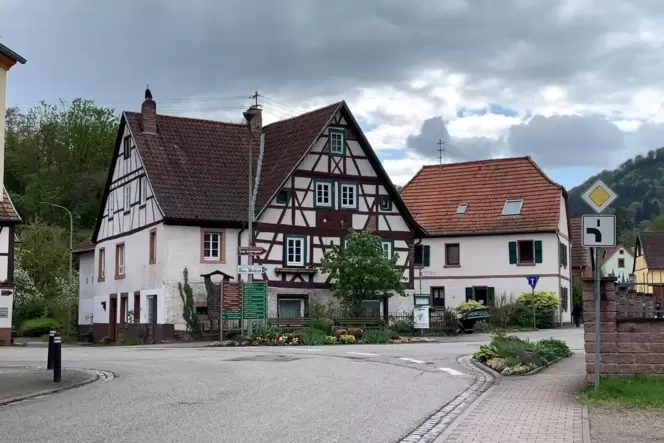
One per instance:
(599, 196)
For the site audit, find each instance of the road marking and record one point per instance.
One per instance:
(363, 353)
(451, 371)
(308, 349)
(412, 360)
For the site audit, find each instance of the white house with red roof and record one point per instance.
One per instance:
(618, 262)
(491, 224)
(177, 196)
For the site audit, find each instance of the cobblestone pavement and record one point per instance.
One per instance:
(539, 408)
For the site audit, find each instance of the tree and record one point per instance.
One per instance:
(188, 308)
(657, 224)
(360, 271)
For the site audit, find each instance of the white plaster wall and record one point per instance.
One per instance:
(485, 262)
(6, 302)
(611, 265)
(87, 286)
(183, 249)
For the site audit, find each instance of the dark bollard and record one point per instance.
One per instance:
(57, 358)
(49, 360)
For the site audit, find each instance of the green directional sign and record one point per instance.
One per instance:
(254, 301)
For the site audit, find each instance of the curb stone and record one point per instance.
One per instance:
(433, 426)
(586, 424)
(93, 376)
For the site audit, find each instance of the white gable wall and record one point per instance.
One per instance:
(87, 286)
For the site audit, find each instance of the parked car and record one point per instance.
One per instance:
(468, 319)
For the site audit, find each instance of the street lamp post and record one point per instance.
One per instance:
(71, 255)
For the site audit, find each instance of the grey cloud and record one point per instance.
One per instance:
(650, 136)
(557, 141)
(301, 49)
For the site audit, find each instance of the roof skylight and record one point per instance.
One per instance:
(512, 207)
(462, 208)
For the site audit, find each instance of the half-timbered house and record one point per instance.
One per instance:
(177, 196)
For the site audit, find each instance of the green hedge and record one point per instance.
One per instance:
(37, 327)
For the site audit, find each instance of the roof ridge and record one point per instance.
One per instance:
(470, 162)
(332, 105)
(191, 119)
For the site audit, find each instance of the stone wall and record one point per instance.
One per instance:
(629, 343)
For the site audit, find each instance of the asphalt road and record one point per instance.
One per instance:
(174, 393)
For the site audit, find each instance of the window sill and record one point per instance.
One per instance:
(211, 262)
(452, 266)
(151, 262)
(127, 212)
(119, 276)
(345, 208)
(526, 264)
(101, 280)
(336, 154)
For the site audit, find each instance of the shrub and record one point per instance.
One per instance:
(482, 326)
(403, 326)
(393, 335)
(376, 336)
(446, 320)
(312, 336)
(552, 349)
(470, 305)
(486, 352)
(545, 304)
(346, 339)
(322, 324)
(37, 327)
(330, 340)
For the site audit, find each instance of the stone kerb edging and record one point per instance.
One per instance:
(435, 425)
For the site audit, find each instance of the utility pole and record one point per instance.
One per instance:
(71, 256)
(441, 151)
(248, 116)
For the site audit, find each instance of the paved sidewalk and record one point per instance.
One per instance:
(21, 383)
(539, 408)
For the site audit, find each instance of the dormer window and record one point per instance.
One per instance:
(512, 207)
(462, 208)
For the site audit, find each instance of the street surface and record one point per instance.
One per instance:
(173, 393)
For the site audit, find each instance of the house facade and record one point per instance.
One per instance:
(177, 197)
(648, 268)
(491, 224)
(9, 218)
(581, 257)
(618, 262)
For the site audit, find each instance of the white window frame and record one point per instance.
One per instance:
(102, 263)
(462, 208)
(330, 194)
(293, 241)
(509, 204)
(387, 251)
(333, 135)
(120, 250)
(301, 300)
(208, 237)
(344, 187)
(127, 196)
(144, 190)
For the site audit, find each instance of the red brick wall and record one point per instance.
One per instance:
(627, 345)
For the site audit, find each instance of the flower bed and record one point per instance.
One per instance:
(313, 336)
(510, 355)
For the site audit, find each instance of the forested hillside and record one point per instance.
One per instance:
(57, 154)
(639, 183)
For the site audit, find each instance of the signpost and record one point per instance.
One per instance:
(598, 231)
(254, 298)
(251, 269)
(532, 281)
(251, 250)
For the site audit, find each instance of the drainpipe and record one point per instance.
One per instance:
(239, 257)
(560, 308)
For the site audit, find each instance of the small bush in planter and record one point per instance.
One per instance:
(37, 327)
(470, 305)
(377, 336)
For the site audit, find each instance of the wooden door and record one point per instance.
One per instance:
(113, 318)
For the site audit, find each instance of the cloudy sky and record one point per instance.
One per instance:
(576, 84)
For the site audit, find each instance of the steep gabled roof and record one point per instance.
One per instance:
(436, 191)
(198, 168)
(580, 255)
(8, 212)
(86, 245)
(652, 247)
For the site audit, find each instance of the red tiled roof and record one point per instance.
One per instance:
(84, 246)
(652, 246)
(434, 195)
(8, 212)
(580, 255)
(197, 168)
(608, 253)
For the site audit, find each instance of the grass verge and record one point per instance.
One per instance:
(636, 391)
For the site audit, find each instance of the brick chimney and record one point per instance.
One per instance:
(149, 114)
(256, 118)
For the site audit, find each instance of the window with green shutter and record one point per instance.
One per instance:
(491, 295)
(512, 249)
(469, 294)
(538, 251)
(427, 255)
